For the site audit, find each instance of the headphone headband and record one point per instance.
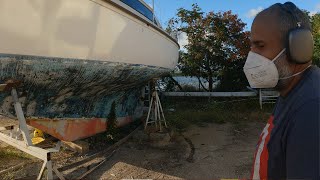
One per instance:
(289, 7)
(299, 39)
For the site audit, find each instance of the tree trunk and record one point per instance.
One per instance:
(210, 80)
(176, 83)
(202, 84)
(209, 74)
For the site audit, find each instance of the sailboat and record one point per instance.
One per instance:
(74, 58)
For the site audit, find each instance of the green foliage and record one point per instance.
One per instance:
(169, 83)
(233, 78)
(315, 21)
(189, 88)
(217, 46)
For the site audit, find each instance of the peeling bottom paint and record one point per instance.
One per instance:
(74, 129)
(73, 97)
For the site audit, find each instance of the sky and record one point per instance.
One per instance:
(246, 9)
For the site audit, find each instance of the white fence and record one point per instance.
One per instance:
(265, 95)
(210, 94)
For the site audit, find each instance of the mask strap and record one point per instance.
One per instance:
(279, 55)
(295, 73)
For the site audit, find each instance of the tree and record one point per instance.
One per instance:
(217, 46)
(315, 21)
(169, 83)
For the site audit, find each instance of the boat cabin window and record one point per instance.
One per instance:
(141, 8)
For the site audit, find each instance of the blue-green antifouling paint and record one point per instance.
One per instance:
(74, 88)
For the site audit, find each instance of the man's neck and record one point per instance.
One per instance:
(296, 79)
(284, 92)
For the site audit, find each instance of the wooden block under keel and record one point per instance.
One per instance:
(77, 146)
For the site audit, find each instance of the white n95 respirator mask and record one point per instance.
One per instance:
(260, 71)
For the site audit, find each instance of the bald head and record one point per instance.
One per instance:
(271, 28)
(287, 17)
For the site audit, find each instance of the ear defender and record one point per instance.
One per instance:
(300, 45)
(300, 42)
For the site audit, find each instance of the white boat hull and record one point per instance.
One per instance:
(82, 29)
(74, 58)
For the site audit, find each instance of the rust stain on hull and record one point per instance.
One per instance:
(73, 129)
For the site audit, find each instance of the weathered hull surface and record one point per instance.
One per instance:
(74, 58)
(76, 91)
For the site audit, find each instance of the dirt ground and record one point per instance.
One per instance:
(209, 151)
(220, 151)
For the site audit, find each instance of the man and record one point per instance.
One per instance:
(280, 58)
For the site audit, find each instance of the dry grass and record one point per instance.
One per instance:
(10, 152)
(189, 111)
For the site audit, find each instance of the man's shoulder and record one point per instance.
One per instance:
(315, 71)
(309, 94)
(311, 86)
(306, 94)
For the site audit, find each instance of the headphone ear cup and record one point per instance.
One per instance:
(300, 46)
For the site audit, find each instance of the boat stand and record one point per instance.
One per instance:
(155, 112)
(26, 145)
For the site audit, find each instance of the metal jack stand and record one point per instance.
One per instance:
(26, 145)
(155, 113)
